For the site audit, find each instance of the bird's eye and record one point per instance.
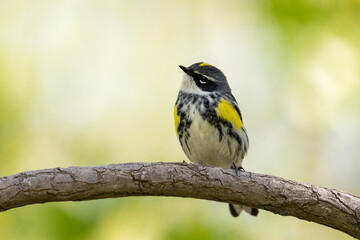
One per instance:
(203, 80)
(204, 83)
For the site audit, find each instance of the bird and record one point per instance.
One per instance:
(209, 124)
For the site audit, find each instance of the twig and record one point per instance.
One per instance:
(330, 207)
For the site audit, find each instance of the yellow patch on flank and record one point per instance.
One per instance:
(205, 64)
(227, 112)
(176, 119)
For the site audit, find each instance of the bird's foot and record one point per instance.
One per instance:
(237, 169)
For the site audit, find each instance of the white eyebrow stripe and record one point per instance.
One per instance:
(208, 77)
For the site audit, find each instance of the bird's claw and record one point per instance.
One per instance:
(237, 169)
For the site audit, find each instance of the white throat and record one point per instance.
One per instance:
(189, 86)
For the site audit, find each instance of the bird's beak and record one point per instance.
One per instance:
(186, 70)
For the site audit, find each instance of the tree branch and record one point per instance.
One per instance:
(333, 208)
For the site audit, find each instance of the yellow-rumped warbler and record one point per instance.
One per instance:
(208, 122)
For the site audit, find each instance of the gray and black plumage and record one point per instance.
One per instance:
(208, 122)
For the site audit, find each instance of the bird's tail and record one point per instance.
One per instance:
(235, 210)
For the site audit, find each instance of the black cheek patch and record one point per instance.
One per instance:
(208, 86)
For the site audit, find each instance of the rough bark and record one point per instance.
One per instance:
(330, 207)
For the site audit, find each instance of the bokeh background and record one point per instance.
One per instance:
(94, 82)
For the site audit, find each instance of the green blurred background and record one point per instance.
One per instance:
(94, 82)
